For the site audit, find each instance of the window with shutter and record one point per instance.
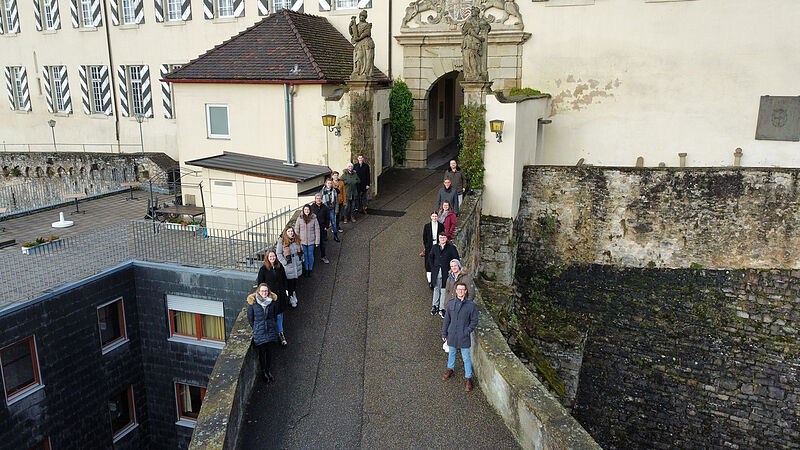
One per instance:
(224, 8)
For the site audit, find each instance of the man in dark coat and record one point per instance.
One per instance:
(447, 193)
(324, 218)
(362, 169)
(439, 259)
(430, 235)
(460, 321)
(351, 182)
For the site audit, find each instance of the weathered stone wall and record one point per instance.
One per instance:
(663, 217)
(498, 248)
(687, 358)
(31, 180)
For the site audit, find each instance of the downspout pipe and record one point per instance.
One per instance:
(293, 160)
(288, 110)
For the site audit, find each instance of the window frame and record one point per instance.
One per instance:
(128, 6)
(174, 7)
(56, 90)
(91, 83)
(48, 19)
(7, 23)
(138, 97)
(37, 375)
(198, 323)
(189, 421)
(220, 6)
(338, 7)
(279, 6)
(16, 86)
(209, 134)
(122, 432)
(85, 10)
(123, 338)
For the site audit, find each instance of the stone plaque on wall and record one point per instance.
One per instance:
(779, 119)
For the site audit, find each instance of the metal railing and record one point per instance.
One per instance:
(73, 148)
(50, 265)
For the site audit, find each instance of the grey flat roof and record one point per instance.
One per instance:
(262, 167)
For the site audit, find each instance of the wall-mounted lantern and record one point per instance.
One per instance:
(497, 128)
(329, 120)
(52, 124)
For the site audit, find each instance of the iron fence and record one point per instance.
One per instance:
(53, 264)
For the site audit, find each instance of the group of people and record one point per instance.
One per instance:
(450, 281)
(340, 199)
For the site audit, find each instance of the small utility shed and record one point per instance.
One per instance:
(249, 116)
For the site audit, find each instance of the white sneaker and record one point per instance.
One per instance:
(293, 300)
(325, 260)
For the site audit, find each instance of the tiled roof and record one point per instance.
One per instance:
(284, 46)
(261, 167)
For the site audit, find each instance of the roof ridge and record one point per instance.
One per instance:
(302, 41)
(222, 44)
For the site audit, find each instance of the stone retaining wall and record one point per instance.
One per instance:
(663, 217)
(532, 414)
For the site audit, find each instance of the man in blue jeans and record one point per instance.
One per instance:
(460, 320)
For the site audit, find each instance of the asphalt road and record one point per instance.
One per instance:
(364, 361)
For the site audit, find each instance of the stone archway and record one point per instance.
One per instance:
(431, 42)
(443, 102)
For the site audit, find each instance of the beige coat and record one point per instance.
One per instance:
(463, 277)
(308, 232)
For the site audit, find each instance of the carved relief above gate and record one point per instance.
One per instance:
(448, 14)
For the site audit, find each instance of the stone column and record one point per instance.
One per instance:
(475, 91)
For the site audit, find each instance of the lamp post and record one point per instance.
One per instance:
(52, 124)
(140, 119)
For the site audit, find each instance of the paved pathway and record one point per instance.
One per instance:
(364, 361)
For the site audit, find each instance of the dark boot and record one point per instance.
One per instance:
(469, 385)
(269, 376)
(336, 237)
(448, 374)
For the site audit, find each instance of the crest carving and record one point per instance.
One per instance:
(451, 13)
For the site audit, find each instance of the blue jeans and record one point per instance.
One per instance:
(308, 251)
(280, 323)
(451, 360)
(332, 213)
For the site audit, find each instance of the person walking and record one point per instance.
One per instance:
(447, 194)
(447, 219)
(290, 254)
(323, 219)
(339, 186)
(430, 236)
(457, 180)
(351, 181)
(262, 310)
(307, 229)
(440, 256)
(273, 273)
(460, 320)
(362, 170)
(331, 199)
(458, 274)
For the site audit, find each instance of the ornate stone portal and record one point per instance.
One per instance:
(452, 12)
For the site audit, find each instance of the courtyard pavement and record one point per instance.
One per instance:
(364, 361)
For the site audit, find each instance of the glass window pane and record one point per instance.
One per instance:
(213, 327)
(191, 399)
(97, 89)
(110, 323)
(282, 4)
(225, 8)
(343, 4)
(120, 410)
(18, 367)
(86, 13)
(184, 323)
(218, 120)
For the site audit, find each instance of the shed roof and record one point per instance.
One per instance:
(260, 166)
(285, 46)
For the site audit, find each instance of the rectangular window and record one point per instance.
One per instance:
(174, 10)
(96, 89)
(18, 87)
(225, 8)
(122, 412)
(7, 23)
(189, 399)
(47, 12)
(217, 121)
(196, 319)
(282, 4)
(346, 4)
(111, 324)
(128, 14)
(20, 368)
(135, 80)
(57, 88)
(86, 13)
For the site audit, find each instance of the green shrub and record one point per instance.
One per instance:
(525, 91)
(473, 142)
(401, 119)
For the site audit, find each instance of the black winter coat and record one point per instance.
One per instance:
(323, 215)
(439, 261)
(363, 175)
(276, 280)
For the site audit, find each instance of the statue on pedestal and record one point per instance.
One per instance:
(363, 47)
(475, 32)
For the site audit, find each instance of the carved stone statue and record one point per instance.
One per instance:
(475, 33)
(363, 47)
(448, 13)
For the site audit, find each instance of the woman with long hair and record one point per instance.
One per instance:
(290, 254)
(448, 219)
(307, 229)
(273, 273)
(262, 310)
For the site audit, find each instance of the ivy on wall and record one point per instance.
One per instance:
(401, 120)
(361, 127)
(473, 142)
